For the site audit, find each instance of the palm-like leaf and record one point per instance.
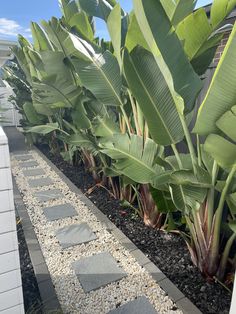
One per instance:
(98, 8)
(221, 94)
(160, 106)
(220, 148)
(100, 73)
(220, 9)
(43, 129)
(177, 10)
(55, 88)
(167, 49)
(200, 43)
(133, 158)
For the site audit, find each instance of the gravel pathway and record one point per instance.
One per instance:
(72, 296)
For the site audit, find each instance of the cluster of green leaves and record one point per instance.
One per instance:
(122, 105)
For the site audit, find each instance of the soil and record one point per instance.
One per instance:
(32, 299)
(167, 251)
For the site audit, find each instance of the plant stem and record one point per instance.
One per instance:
(173, 146)
(218, 218)
(225, 256)
(210, 199)
(199, 154)
(199, 233)
(126, 119)
(190, 144)
(138, 131)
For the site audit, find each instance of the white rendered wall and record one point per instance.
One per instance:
(233, 302)
(11, 297)
(11, 115)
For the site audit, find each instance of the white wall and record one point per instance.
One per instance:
(11, 297)
(233, 302)
(11, 115)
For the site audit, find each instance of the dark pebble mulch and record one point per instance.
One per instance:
(167, 251)
(32, 299)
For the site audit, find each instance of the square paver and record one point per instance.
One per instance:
(33, 172)
(23, 157)
(33, 183)
(97, 271)
(59, 211)
(49, 195)
(28, 164)
(139, 306)
(75, 234)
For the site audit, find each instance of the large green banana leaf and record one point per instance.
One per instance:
(98, 8)
(31, 114)
(167, 49)
(223, 151)
(136, 159)
(227, 123)
(69, 8)
(53, 84)
(220, 148)
(61, 39)
(134, 35)
(41, 40)
(133, 158)
(100, 73)
(221, 95)
(161, 108)
(103, 120)
(105, 127)
(114, 28)
(21, 58)
(43, 129)
(220, 9)
(55, 87)
(83, 141)
(187, 198)
(57, 34)
(231, 201)
(199, 42)
(79, 115)
(76, 20)
(177, 10)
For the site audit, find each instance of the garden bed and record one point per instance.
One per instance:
(167, 251)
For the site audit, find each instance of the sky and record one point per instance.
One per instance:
(15, 15)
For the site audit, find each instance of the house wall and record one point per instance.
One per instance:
(11, 297)
(11, 115)
(220, 49)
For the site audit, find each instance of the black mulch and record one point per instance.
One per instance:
(32, 299)
(167, 251)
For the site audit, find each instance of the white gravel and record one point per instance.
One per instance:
(69, 291)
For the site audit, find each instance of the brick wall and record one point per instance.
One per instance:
(220, 49)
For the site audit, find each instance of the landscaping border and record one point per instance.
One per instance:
(50, 303)
(167, 285)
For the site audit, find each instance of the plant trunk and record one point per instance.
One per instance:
(151, 216)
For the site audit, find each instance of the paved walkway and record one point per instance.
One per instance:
(90, 269)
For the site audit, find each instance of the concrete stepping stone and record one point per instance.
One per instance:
(97, 271)
(74, 235)
(139, 306)
(49, 195)
(23, 157)
(33, 172)
(34, 183)
(28, 164)
(59, 211)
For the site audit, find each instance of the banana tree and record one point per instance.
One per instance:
(165, 100)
